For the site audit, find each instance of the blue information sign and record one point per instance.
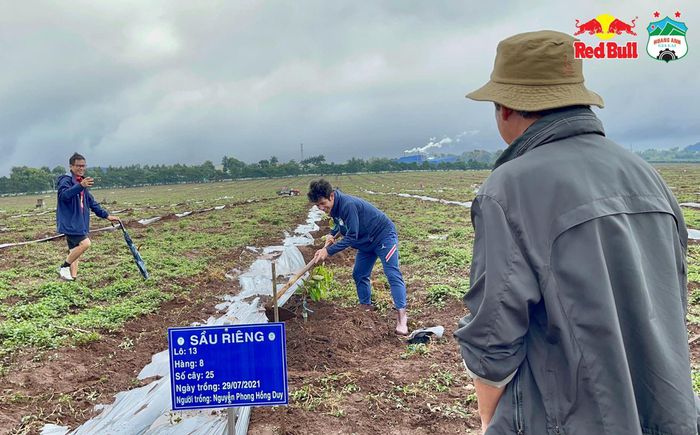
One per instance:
(225, 366)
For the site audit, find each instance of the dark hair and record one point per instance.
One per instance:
(75, 157)
(319, 189)
(542, 113)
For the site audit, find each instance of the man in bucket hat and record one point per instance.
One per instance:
(578, 281)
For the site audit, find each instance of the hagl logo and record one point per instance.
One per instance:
(606, 27)
(667, 38)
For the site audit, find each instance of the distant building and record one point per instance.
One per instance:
(446, 159)
(421, 158)
(416, 158)
(695, 147)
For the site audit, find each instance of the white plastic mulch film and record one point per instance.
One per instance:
(467, 204)
(147, 410)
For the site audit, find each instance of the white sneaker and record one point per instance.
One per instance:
(64, 273)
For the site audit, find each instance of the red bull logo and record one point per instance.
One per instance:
(592, 27)
(606, 27)
(619, 27)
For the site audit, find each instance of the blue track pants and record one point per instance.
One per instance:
(388, 252)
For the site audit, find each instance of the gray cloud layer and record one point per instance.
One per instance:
(166, 81)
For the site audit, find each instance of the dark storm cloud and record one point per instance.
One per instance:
(164, 81)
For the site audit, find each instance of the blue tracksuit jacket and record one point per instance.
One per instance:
(73, 209)
(362, 225)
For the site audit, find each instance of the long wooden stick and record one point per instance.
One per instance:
(292, 280)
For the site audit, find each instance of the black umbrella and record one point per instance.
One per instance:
(135, 252)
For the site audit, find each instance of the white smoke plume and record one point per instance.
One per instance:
(444, 141)
(431, 144)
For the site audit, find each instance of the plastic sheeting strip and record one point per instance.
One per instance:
(46, 239)
(144, 222)
(146, 410)
(467, 204)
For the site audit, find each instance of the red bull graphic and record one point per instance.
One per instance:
(667, 40)
(606, 27)
(618, 27)
(592, 27)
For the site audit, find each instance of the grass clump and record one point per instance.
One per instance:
(439, 294)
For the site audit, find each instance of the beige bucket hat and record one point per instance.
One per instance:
(537, 71)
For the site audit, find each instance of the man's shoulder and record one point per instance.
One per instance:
(571, 172)
(346, 200)
(64, 179)
(564, 157)
(575, 160)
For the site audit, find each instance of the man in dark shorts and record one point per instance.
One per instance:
(73, 214)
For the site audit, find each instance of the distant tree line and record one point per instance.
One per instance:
(24, 179)
(235, 168)
(687, 154)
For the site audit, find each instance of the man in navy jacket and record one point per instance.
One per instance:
(365, 228)
(73, 213)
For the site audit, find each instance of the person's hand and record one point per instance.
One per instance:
(321, 255)
(87, 182)
(113, 219)
(329, 241)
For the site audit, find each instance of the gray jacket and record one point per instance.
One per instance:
(578, 282)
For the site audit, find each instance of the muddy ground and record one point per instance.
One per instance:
(62, 386)
(340, 346)
(354, 370)
(359, 376)
(336, 346)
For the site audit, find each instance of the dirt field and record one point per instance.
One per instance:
(68, 347)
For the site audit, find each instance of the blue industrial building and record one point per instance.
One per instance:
(416, 158)
(420, 158)
(447, 159)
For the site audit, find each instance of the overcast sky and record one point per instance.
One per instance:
(139, 81)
